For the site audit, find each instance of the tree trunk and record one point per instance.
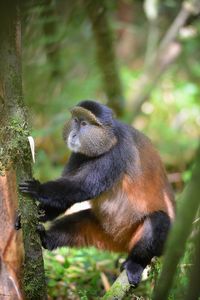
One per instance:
(96, 11)
(15, 165)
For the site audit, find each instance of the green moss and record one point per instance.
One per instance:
(33, 285)
(119, 288)
(15, 151)
(14, 146)
(33, 275)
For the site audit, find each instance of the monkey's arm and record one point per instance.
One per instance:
(52, 194)
(96, 177)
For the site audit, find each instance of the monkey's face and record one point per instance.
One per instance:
(84, 135)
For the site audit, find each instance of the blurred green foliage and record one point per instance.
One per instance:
(75, 274)
(60, 69)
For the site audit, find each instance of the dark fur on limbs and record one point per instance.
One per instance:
(156, 228)
(81, 229)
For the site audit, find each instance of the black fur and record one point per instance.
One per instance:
(156, 227)
(61, 232)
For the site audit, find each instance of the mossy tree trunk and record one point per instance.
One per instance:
(15, 165)
(96, 11)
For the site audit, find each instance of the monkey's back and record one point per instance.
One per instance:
(151, 187)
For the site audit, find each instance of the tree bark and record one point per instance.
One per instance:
(11, 250)
(15, 162)
(106, 59)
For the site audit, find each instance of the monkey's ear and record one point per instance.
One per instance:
(78, 111)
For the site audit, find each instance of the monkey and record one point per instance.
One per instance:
(116, 168)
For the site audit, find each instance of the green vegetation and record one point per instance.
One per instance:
(77, 274)
(74, 273)
(60, 69)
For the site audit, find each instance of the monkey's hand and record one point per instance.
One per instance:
(31, 187)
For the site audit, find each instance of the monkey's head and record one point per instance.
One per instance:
(90, 130)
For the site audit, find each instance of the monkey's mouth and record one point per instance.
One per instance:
(73, 146)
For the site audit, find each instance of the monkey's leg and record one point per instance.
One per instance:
(49, 214)
(154, 233)
(78, 230)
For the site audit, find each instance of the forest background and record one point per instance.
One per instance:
(148, 74)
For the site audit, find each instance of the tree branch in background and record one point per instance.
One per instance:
(106, 59)
(151, 8)
(49, 28)
(193, 291)
(168, 51)
(15, 159)
(180, 232)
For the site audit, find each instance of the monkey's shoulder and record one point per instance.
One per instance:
(108, 166)
(119, 159)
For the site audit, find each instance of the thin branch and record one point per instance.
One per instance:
(151, 8)
(188, 8)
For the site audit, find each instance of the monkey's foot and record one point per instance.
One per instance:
(133, 271)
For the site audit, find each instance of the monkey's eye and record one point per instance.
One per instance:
(75, 120)
(83, 123)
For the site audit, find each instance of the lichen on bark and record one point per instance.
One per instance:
(14, 146)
